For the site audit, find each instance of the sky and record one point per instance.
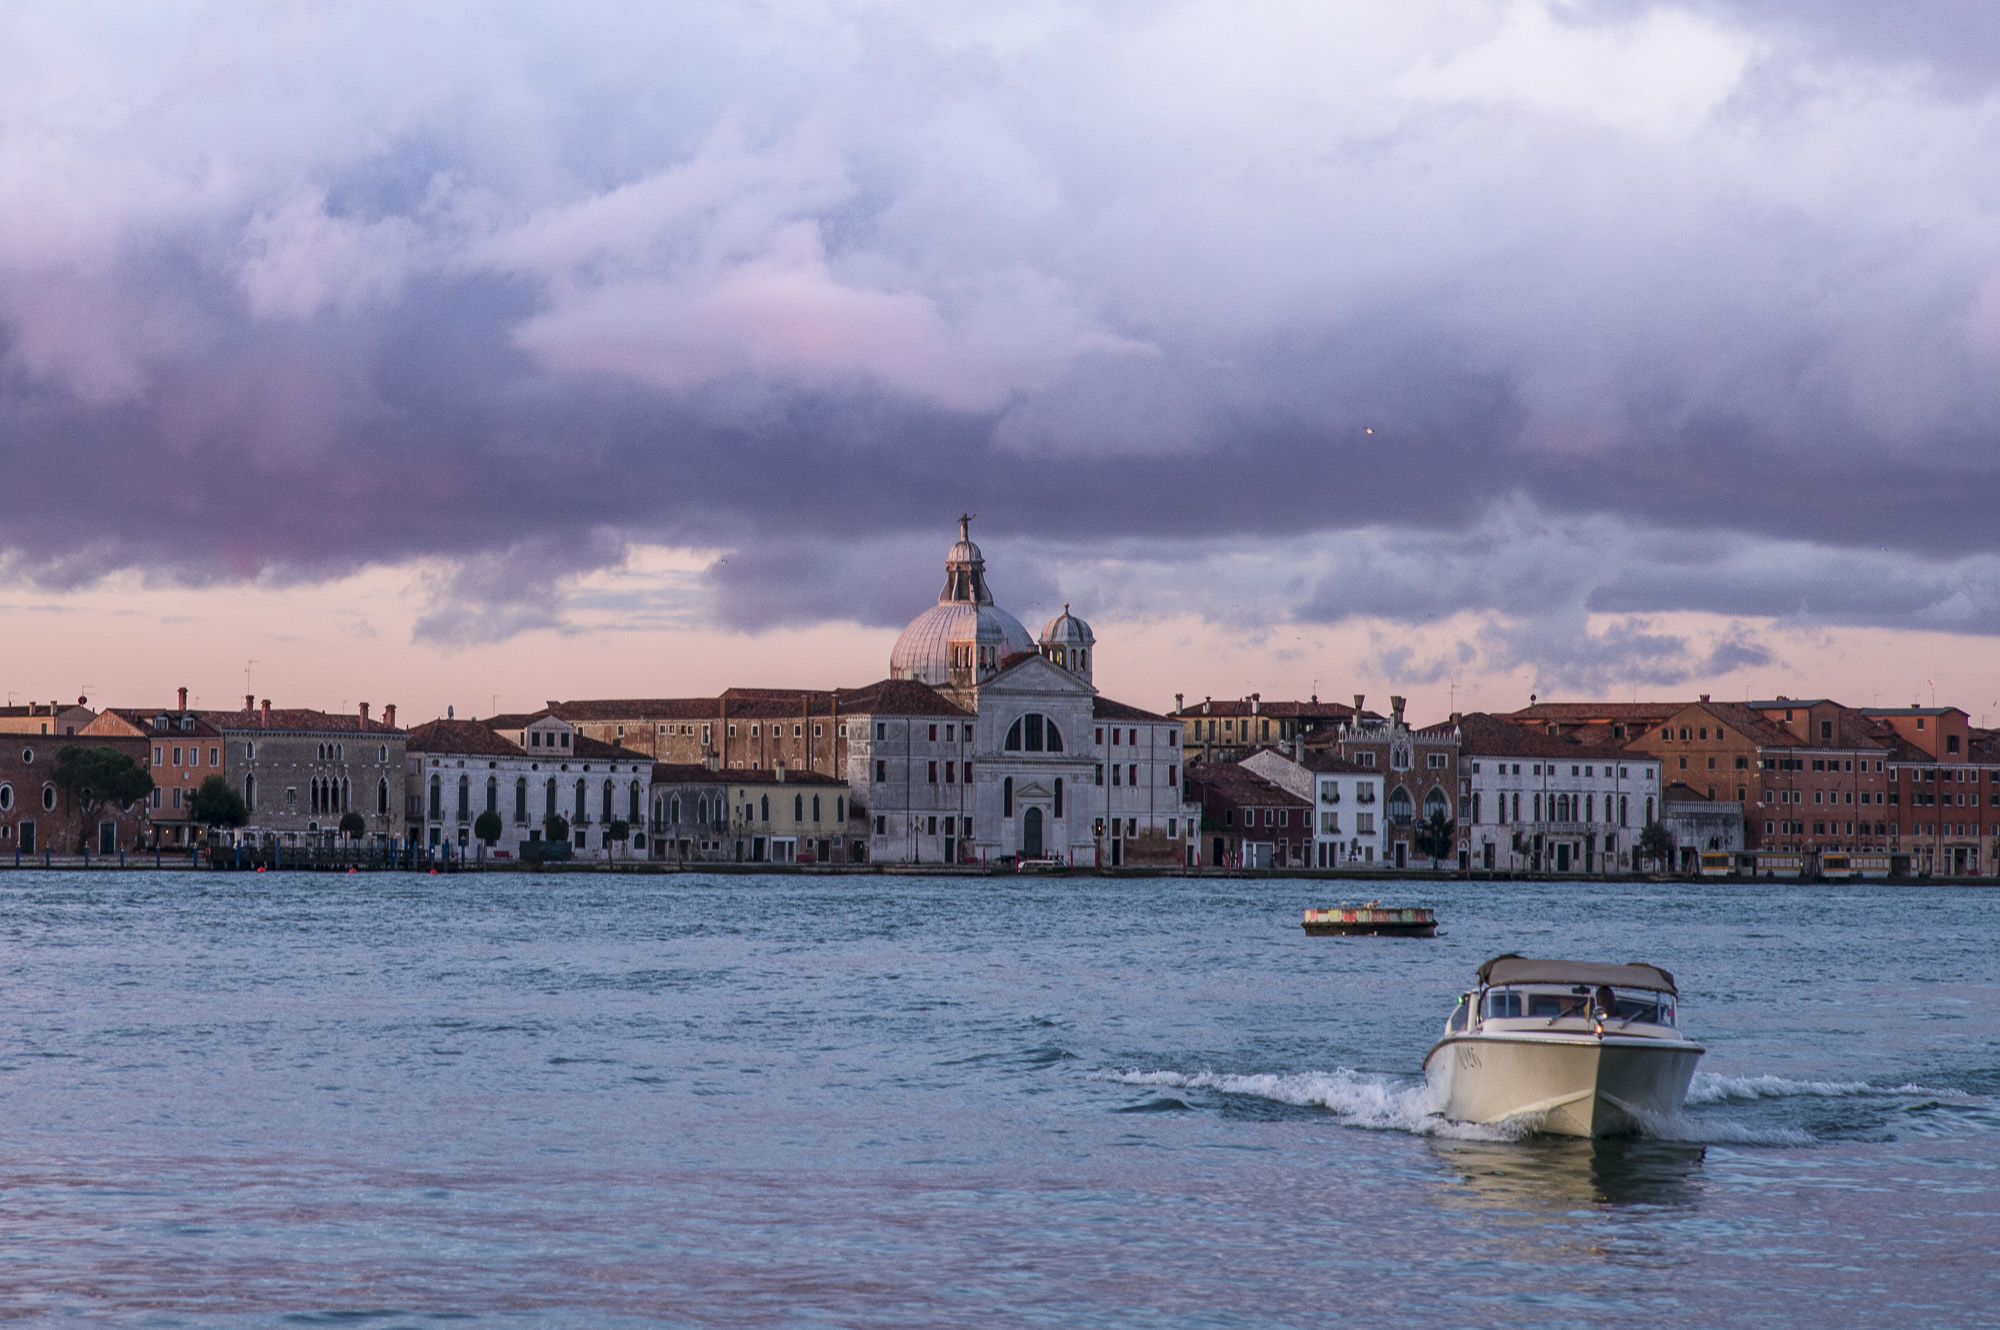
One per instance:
(480, 354)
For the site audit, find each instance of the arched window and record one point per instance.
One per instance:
(437, 799)
(582, 803)
(764, 807)
(464, 798)
(492, 794)
(249, 795)
(608, 814)
(1434, 804)
(815, 810)
(382, 795)
(1007, 797)
(798, 808)
(551, 800)
(520, 798)
(701, 812)
(840, 809)
(635, 800)
(7, 797)
(674, 810)
(1059, 793)
(1034, 733)
(1399, 806)
(48, 798)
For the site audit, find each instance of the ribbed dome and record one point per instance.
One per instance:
(923, 652)
(965, 616)
(1066, 630)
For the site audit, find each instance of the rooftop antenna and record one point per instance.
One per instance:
(247, 689)
(496, 704)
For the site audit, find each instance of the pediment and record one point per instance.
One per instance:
(1037, 675)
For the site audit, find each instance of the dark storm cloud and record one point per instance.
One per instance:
(803, 291)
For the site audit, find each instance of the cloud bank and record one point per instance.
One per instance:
(1537, 310)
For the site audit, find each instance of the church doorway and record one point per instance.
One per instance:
(1031, 834)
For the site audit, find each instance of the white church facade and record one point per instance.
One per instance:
(987, 744)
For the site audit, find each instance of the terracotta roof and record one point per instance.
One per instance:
(1103, 708)
(142, 718)
(303, 720)
(1682, 792)
(1311, 710)
(1585, 711)
(599, 710)
(461, 736)
(587, 747)
(691, 773)
(514, 720)
(898, 697)
(1240, 785)
(1486, 735)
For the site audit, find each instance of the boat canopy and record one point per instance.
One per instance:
(1516, 969)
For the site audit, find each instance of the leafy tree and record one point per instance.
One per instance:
(1656, 844)
(93, 777)
(488, 828)
(1435, 836)
(352, 825)
(217, 804)
(556, 828)
(620, 830)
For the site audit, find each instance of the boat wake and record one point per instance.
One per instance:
(1384, 1103)
(1371, 1103)
(1712, 1088)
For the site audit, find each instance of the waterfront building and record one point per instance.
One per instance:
(1047, 766)
(38, 816)
(1699, 822)
(1346, 809)
(46, 717)
(301, 770)
(1419, 773)
(1943, 805)
(560, 773)
(703, 814)
(1232, 729)
(179, 750)
(1552, 798)
(1248, 821)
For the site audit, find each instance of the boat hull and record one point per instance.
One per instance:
(1426, 928)
(1566, 1085)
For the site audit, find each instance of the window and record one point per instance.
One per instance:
(1434, 761)
(815, 808)
(1132, 774)
(1006, 797)
(881, 770)
(933, 773)
(1100, 773)
(933, 735)
(1034, 733)
(881, 732)
(437, 799)
(1059, 796)
(49, 797)
(1116, 772)
(799, 808)
(1951, 743)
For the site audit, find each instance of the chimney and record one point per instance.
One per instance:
(364, 715)
(1256, 700)
(389, 715)
(1455, 716)
(1704, 697)
(1177, 702)
(184, 700)
(1359, 698)
(1396, 708)
(266, 721)
(249, 703)
(1204, 705)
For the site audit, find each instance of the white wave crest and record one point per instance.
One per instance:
(1712, 1088)
(1374, 1103)
(1718, 1131)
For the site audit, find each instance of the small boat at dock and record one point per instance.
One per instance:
(1371, 920)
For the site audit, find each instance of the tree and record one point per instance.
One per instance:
(217, 804)
(93, 777)
(488, 828)
(1434, 836)
(620, 830)
(352, 825)
(1656, 844)
(556, 828)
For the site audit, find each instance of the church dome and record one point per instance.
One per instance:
(965, 636)
(1066, 630)
(1066, 641)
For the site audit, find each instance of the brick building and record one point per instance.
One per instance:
(1230, 730)
(37, 816)
(1419, 777)
(1248, 821)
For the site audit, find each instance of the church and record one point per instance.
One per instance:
(986, 744)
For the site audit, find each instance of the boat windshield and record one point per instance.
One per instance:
(1646, 1008)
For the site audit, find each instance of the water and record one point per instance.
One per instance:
(598, 1100)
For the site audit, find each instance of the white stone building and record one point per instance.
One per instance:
(1553, 803)
(1347, 809)
(458, 769)
(987, 744)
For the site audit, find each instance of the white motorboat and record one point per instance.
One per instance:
(1575, 1048)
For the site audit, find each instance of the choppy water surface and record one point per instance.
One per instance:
(905, 1101)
